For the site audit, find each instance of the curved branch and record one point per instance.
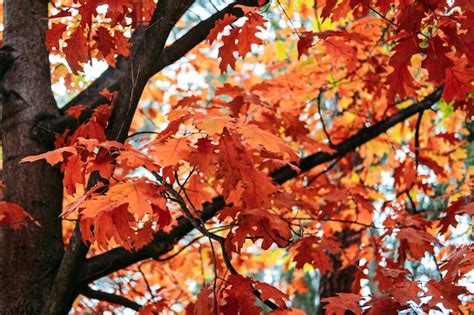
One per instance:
(131, 86)
(110, 79)
(119, 258)
(111, 298)
(139, 70)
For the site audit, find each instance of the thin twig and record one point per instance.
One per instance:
(142, 133)
(412, 203)
(382, 16)
(199, 225)
(321, 118)
(327, 169)
(289, 19)
(153, 296)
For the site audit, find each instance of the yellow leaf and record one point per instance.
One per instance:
(280, 49)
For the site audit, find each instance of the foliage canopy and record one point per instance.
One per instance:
(235, 162)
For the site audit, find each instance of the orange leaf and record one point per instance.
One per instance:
(76, 51)
(52, 157)
(219, 26)
(14, 215)
(341, 303)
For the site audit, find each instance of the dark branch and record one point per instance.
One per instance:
(364, 135)
(417, 140)
(321, 117)
(111, 298)
(198, 34)
(112, 77)
(119, 258)
(131, 87)
(139, 71)
(62, 295)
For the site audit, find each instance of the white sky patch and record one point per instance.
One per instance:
(93, 69)
(102, 9)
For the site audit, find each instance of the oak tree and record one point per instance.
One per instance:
(236, 157)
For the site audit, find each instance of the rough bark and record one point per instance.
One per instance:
(29, 258)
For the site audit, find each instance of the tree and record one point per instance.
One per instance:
(314, 143)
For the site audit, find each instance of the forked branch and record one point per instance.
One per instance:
(119, 258)
(111, 79)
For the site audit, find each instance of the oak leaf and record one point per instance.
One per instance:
(14, 215)
(341, 303)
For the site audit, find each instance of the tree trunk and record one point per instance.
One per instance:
(29, 258)
(341, 279)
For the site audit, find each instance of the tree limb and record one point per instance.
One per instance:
(364, 135)
(139, 71)
(119, 258)
(62, 294)
(111, 298)
(155, 35)
(110, 79)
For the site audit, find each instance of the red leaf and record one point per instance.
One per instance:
(341, 303)
(247, 33)
(204, 157)
(309, 252)
(54, 34)
(239, 297)
(171, 152)
(259, 224)
(445, 292)
(330, 5)
(76, 111)
(219, 26)
(416, 242)
(288, 311)
(204, 304)
(14, 215)
(458, 82)
(269, 292)
(436, 61)
(77, 50)
(52, 157)
(400, 79)
(226, 51)
(105, 42)
(304, 43)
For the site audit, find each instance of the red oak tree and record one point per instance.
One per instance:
(236, 157)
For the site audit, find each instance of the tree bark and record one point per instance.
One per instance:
(341, 279)
(29, 258)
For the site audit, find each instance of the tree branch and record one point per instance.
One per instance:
(112, 77)
(62, 294)
(131, 85)
(364, 135)
(130, 78)
(119, 258)
(139, 71)
(111, 298)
